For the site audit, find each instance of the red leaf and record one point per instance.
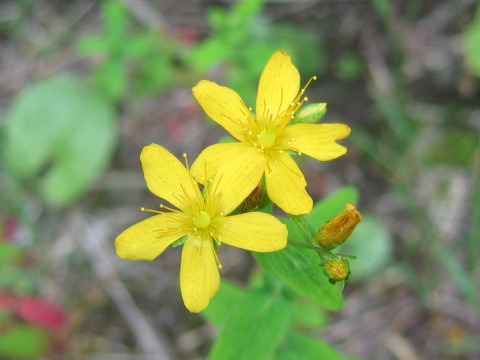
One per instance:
(42, 313)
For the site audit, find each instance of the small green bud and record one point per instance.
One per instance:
(336, 270)
(310, 114)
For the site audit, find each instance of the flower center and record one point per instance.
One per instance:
(266, 139)
(201, 219)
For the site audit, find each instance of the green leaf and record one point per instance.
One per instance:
(303, 227)
(93, 44)
(222, 303)
(244, 11)
(384, 9)
(371, 243)
(349, 67)
(300, 269)
(308, 315)
(8, 253)
(253, 329)
(111, 78)
(155, 74)
(471, 40)
(401, 123)
(217, 18)
(299, 346)
(59, 136)
(142, 46)
(211, 51)
(23, 342)
(115, 18)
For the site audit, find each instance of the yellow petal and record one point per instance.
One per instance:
(147, 239)
(278, 86)
(286, 184)
(199, 276)
(214, 156)
(236, 179)
(166, 176)
(224, 106)
(253, 231)
(315, 140)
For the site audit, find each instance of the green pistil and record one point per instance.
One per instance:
(266, 139)
(201, 219)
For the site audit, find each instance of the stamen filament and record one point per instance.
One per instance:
(152, 211)
(171, 209)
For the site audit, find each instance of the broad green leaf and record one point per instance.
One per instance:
(300, 269)
(23, 342)
(308, 315)
(59, 137)
(222, 303)
(371, 243)
(303, 227)
(471, 41)
(253, 329)
(297, 346)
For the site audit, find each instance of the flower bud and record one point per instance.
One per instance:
(336, 270)
(338, 229)
(254, 199)
(310, 114)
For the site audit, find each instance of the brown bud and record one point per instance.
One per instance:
(336, 270)
(254, 199)
(338, 229)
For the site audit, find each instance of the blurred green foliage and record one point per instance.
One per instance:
(13, 274)
(454, 147)
(58, 138)
(471, 41)
(22, 341)
(349, 67)
(133, 61)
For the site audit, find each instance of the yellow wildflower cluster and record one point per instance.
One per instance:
(229, 172)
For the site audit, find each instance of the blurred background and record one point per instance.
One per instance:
(84, 85)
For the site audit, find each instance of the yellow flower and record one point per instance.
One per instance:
(202, 219)
(270, 133)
